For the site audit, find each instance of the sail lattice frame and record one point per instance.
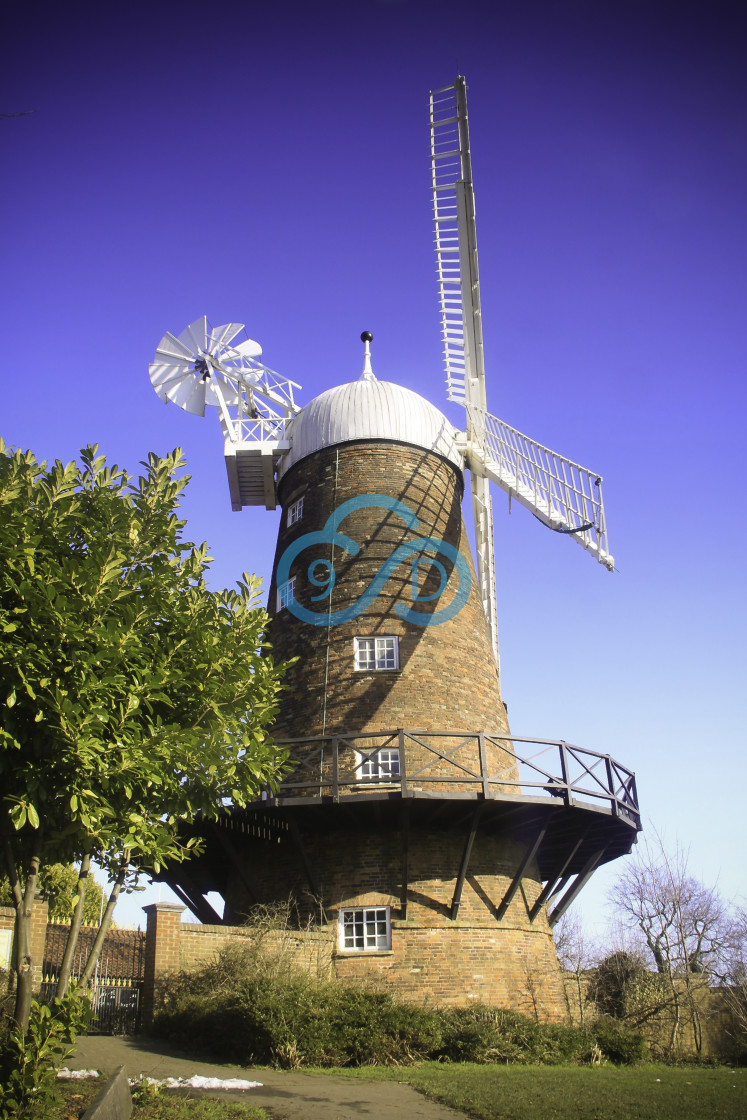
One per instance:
(562, 494)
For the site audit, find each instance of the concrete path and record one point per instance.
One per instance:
(287, 1096)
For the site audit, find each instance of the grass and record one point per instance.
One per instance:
(167, 1105)
(650, 1092)
(491, 1092)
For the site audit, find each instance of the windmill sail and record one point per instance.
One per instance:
(563, 495)
(459, 296)
(456, 245)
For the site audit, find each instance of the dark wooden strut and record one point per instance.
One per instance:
(230, 851)
(483, 764)
(549, 887)
(405, 851)
(456, 900)
(310, 877)
(402, 762)
(580, 881)
(515, 882)
(184, 889)
(335, 770)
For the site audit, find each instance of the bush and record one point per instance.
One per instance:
(297, 1020)
(479, 1033)
(7, 1006)
(28, 1062)
(252, 1004)
(618, 1043)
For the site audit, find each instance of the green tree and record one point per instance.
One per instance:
(58, 885)
(131, 696)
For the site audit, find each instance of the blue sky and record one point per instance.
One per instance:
(268, 164)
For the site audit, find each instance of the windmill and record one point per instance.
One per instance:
(393, 714)
(205, 365)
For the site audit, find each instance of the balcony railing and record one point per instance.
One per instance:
(459, 764)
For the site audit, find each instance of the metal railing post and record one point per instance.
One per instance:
(564, 772)
(483, 764)
(402, 762)
(336, 770)
(610, 786)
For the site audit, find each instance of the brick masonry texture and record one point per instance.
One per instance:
(447, 681)
(447, 677)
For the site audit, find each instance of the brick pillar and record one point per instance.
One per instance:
(39, 919)
(161, 951)
(7, 925)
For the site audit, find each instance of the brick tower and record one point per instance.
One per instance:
(413, 828)
(436, 848)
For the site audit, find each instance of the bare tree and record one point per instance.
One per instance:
(685, 928)
(734, 980)
(576, 958)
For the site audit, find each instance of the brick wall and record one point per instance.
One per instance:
(173, 946)
(509, 962)
(505, 965)
(39, 915)
(447, 676)
(501, 965)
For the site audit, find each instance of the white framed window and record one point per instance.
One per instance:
(286, 593)
(378, 766)
(376, 653)
(295, 512)
(365, 929)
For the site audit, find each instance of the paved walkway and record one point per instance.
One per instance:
(287, 1096)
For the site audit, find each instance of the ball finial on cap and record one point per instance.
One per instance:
(368, 373)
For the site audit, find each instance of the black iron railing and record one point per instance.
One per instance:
(455, 763)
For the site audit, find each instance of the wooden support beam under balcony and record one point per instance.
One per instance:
(580, 881)
(310, 876)
(456, 900)
(529, 855)
(190, 895)
(404, 824)
(238, 865)
(549, 887)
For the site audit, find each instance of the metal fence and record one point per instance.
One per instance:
(487, 765)
(117, 985)
(116, 1005)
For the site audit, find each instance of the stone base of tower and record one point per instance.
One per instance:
(425, 886)
(509, 968)
(434, 913)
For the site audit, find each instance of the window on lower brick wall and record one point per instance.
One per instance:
(378, 766)
(376, 653)
(365, 930)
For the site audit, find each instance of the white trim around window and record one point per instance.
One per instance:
(286, 593)
(377, 766)
(376, 653)
(295, 512)
(365, 929)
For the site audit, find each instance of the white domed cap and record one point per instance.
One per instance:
(368, 409)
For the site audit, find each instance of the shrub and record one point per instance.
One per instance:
(251, 1005)
(614, 982)
(28, 1063)
(296, 1020)
(479, 1033)
(618, 1043)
